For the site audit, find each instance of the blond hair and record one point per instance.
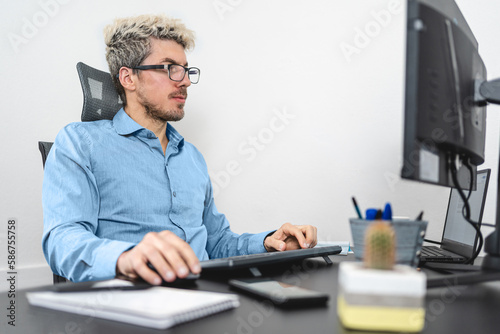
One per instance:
(128, 41)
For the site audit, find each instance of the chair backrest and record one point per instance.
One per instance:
(100, 101)
(44, 147)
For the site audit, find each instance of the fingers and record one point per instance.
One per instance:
(297, 232)
(272, 243)
(170, 258)
(177, 255)
(289, 237)
(311, 235)
(130, 264)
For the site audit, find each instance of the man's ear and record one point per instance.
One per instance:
(126, 78)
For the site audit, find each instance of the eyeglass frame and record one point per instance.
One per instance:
(167, 67)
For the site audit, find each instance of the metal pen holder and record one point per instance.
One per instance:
(409, 238)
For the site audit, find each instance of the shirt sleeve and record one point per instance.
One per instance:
(221, 241)
(70, 200)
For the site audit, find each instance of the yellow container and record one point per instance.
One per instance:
(381, 300)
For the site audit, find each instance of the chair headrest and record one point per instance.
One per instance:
(100, 99)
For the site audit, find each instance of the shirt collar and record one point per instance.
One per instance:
(174, 137)
(125, 125)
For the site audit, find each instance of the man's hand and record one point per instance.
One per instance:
(289, 237)
(170, 255)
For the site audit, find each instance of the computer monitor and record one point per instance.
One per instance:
(445, 103)
(442, 119)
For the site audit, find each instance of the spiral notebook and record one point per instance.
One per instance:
(155, 307)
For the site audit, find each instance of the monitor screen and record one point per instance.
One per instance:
(458, 235)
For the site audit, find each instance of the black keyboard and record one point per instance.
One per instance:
(433, 251)
(436, 254)
(254, 260)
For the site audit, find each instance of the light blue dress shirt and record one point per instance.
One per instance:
(108, 183)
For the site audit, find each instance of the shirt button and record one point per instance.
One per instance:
(174, 194)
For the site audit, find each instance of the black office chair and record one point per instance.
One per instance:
(100, 101)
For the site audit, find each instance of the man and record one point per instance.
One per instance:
(120, 194)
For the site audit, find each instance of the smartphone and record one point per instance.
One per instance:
(279, 293)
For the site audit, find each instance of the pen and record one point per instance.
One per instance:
(357, 208)
(387, 214)
(420, 216)
(99, 286)
(371, 214)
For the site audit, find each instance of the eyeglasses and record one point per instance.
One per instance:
(175, 72)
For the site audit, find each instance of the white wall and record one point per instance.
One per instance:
(259, 59)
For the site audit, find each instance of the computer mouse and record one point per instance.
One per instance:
(190, 279)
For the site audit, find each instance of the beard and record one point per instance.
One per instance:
(170, 115)
(165, 115)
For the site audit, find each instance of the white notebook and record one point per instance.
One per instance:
(156, 307)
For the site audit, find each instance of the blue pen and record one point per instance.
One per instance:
(387, 214)
(357, 208)
(371, 214)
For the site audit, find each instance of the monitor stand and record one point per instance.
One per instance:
(450, 268)
(490, 92)
(479, 276)
(491, 260)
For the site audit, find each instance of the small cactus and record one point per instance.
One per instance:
(379, 246)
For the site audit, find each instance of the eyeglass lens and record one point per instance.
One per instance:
(177, 73)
